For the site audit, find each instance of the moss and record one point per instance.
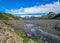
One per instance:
(37, 40)
(21, 34)
(25, 39)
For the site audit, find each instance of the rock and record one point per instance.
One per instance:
(7, 35)
(31, 41)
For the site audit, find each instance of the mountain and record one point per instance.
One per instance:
(50, 15)
(7, 16)
(57, 16)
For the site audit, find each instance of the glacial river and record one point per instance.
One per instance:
(40, 33)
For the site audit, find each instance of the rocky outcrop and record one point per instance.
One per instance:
(7, 34)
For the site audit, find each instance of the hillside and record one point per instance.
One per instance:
(57, 16)
(7, 16)
(52, 27)
(7, 34)
(52, 15)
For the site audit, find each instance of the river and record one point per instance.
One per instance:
(40, 33)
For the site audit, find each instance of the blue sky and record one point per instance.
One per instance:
(19, 7)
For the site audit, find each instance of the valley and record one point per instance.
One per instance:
(50, 28)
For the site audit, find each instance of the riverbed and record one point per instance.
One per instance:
(35, 29)
(38, 29)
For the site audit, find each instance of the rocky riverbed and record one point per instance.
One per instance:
(8, 35)
(51, 27)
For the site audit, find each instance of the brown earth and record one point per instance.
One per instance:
(7, 34)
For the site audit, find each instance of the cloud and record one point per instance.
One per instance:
(54, 7)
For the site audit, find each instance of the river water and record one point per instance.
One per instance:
(40, 33)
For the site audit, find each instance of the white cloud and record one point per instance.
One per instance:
(54, 7)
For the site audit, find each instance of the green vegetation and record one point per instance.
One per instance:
(21, 34)
(37, 40)
(25, 39)
(7, 16)
(2, 16)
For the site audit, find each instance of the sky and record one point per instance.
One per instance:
(29, 7)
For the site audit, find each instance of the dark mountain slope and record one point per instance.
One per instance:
(50, 15)
(57, 16)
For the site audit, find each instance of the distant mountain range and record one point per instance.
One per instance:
(29, 15)
(50, 15)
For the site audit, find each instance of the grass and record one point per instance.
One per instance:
(38, 41)
(21, 34)
(7, 16)
(25, 39)
(2, 17)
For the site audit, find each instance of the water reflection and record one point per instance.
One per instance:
(39, 33)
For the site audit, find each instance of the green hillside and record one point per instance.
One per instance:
(7, 16)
